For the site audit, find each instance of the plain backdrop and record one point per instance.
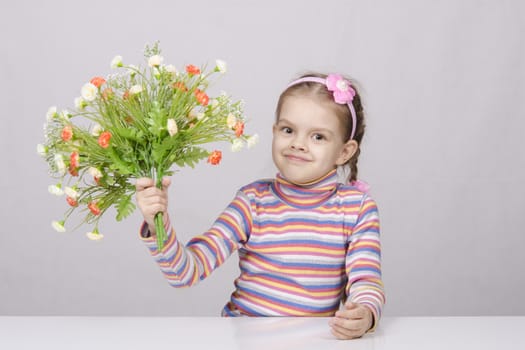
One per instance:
(443, 84)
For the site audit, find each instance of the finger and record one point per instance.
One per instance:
(144, 183)
(343, 333)
(166, 182)
(350, 324)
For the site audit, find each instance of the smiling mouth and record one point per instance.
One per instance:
(295, 158)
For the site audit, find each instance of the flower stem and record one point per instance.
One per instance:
(159, 222)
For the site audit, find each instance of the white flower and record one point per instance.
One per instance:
(71, 192)
(51, 113)
(55, 189)
(41, 150)
(94, 235)
(80, 104)
(220, 66)
(95, 172)
(155, 61)
(231, 120)
(116, 62)
(89, 92)
(171, 69)
(252, 140)
(172, 127)
(135, 89)
(58, 226)
(61, 166)
(96, 130)
(237, 145)
(65, 114)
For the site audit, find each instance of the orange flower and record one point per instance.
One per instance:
(125, 95)
(97, 81)
(93, 207)
(239, 128)
(74, 159)
(179, 85)
(192, 70)
(67, 133)
(215, 157)
(71, 201)
(202, 98)
(103, 139)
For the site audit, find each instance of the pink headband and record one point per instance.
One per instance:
(342, 91)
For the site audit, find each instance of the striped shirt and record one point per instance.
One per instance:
(302, 249)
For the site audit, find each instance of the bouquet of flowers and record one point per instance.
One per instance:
(136, 123)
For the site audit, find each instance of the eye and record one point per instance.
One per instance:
(286, 130)
(318, 137)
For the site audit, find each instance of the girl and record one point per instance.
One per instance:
(307, 243)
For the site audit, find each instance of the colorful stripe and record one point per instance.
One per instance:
(302, 250)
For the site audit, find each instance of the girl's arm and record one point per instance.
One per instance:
(187, 265)
(363, 267)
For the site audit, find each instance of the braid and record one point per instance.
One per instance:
(358, 137)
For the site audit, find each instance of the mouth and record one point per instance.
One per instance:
(296, 158)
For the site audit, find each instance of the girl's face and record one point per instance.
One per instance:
(308, 140)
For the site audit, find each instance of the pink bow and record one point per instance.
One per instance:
(361, 185)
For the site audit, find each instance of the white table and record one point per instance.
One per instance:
(147, 333)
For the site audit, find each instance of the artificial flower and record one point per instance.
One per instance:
(59, 164)
(172, 69)
(89, 92)
(239, 128)
(104, 138)
(41, 150)
(97, 81)
(220, 66)
(138, 122)
(116, 62)
(71, 192)
(96, 130)
(201, 97)
(252, 140)
(237, 145)
(341, 88)
(94, 235)
(55, 189)
(155, 60)
(97, 174)
(93, 207)
(51, 113)
(58, 226)
(71, 201)
(231, 120)
(67, 133)
(215, 157)
(193, 70)
(172, 127)
(80, 104)
(135, 89)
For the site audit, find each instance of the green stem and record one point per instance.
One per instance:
(159, 222)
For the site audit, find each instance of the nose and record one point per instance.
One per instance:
(298, 144)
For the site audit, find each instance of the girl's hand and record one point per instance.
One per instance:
(152, 200)
(352, 321)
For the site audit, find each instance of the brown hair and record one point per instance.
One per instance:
(319, 91)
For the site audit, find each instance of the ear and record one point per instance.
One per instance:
(347, 152)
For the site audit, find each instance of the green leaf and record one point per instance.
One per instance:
(125, 207)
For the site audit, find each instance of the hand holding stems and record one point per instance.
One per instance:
(153, 201)
(352, 321)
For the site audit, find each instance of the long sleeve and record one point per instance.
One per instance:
(363, 260)
(187, 265)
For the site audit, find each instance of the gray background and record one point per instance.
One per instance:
(443, 83)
